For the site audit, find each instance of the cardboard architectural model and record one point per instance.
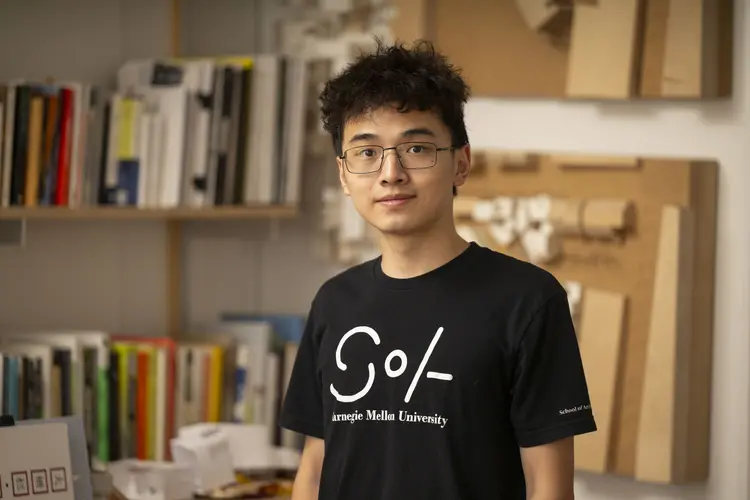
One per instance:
(632, 239)
(579, 49)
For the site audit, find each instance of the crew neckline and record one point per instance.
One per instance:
(387, 281)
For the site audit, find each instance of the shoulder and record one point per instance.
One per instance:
(519, 278)
(519, 290)
(344, 286)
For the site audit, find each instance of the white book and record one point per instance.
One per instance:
(294, 130)
(171, 104)
(260, 176)
(198, 80)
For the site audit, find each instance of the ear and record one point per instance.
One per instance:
(462, 165)
(342, 175)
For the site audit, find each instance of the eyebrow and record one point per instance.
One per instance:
(368, 136)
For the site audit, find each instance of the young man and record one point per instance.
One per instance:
(441, 370)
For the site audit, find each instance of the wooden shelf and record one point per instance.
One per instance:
(128, 213)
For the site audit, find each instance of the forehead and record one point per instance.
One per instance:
(387, 124)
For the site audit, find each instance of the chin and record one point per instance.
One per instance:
(401, 227)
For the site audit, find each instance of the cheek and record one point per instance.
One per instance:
(435, 183)
(360, 193)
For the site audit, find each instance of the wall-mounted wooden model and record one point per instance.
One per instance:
(579, 49)
(632, 239)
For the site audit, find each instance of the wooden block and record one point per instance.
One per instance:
(663, 438)
(689, 58)
(683, 54)
(593, 161)
(600, 218)
(603, 50)
(607, 218)
(600, 339)
(688, 49)
(565, 215)
(655, 16)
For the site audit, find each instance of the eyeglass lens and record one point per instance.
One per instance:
(413, 155)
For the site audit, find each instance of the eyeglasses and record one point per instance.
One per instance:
(411, 155)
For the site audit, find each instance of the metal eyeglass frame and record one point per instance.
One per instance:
(342, 156)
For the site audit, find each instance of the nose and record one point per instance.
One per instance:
(392, 171)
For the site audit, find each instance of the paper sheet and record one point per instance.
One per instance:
(35, 461)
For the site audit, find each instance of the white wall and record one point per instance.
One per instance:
(111, 275)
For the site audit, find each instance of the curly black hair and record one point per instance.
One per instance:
(416, 78)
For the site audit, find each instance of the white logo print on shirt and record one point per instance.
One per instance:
(388, 365)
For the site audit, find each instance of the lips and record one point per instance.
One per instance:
(395, 201)
(396, 198)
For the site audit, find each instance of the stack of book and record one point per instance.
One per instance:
(171, 133)
(134, 393)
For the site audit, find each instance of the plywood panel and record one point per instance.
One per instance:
(688, 47)
(609, 49)
(626, 264)
(597, 69)
(656, 13)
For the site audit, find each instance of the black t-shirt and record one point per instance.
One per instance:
(425, 388)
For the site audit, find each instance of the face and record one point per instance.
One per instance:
(397, 200)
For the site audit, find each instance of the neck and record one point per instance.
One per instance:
(414, 255)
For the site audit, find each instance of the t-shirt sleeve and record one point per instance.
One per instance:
(302, 410)
(550, 399)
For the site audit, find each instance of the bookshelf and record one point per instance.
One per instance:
(174, 215)
(114, 266)
(169, 29)
(157, 273)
